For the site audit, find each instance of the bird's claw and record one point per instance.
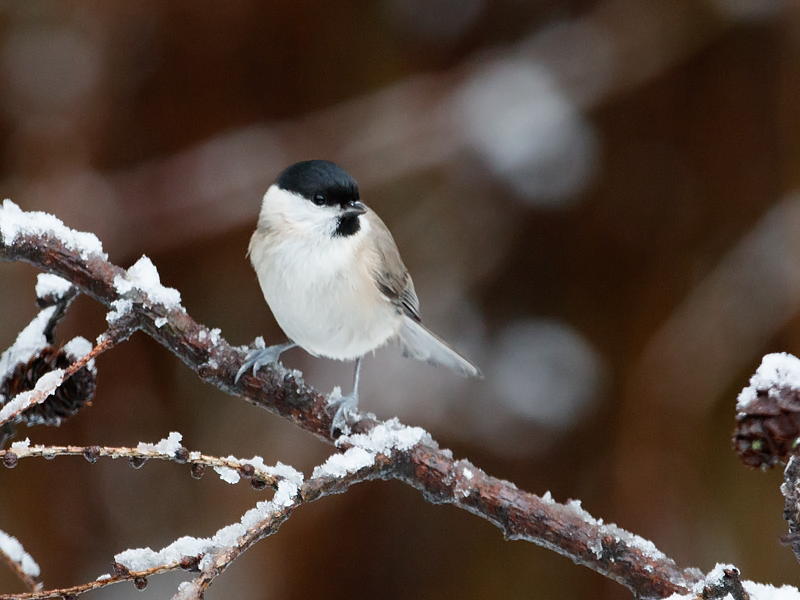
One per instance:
(261, 357)
(342, 407)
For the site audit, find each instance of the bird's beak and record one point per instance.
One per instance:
(354, 208)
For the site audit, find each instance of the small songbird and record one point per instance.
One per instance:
(333, 277)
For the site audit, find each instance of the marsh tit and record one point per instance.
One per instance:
(333, 277)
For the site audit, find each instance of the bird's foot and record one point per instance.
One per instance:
(261, 357)
(342, 406)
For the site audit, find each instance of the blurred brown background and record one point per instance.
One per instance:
(596, 200)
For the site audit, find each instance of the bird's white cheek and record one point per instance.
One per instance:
(295, 217)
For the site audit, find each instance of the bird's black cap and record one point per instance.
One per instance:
(310, 178)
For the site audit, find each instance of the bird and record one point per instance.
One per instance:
(333, 278)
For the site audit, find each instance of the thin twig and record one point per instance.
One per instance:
(138, 456)
(215, 562)
(28, 576)
(92, 585)
(313, 489)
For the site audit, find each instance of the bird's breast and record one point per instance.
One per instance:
(324, 297)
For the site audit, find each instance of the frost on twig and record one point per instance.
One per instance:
(723, 583)
(208, 556)
(45, 386)
(12, 552)
(229, 469)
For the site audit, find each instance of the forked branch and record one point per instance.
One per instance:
(138, 301)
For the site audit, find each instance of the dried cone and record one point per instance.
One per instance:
(75, 393)
(767, 428)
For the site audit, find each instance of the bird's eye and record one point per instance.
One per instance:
(318, 199)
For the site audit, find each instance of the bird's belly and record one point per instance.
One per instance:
(330, 315)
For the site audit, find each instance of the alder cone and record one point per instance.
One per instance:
(767, 430)
(71, 396)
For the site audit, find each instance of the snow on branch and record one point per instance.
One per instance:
(230, 469)
(723, 583)
(22, 563)
(208, 557)
(373, 449)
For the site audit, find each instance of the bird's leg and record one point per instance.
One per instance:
(263, 356)
(345, 404)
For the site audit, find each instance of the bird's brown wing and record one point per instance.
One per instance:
(391, 275)
(396, 286)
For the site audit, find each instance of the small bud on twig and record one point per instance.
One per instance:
(10, 460)
(120, 570)
(198, 469)
(181, 455)
(91, 453)
(137, 462)
(190, 563)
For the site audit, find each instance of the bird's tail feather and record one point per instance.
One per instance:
(425, 345)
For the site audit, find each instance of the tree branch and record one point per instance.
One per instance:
(230, 469)
(566, 529)
(20, 562)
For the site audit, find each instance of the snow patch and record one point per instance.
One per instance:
(77, 348)
(228, 475)
(21, 446)
(631, 540)
(364, 447)
(45, 386)
(52, 286)
(30, 342)
(760, 591)
(757, 591)
(339, 465)
(776, 370)
(119, 308)
(15, 222)
(283, 471)
(713, 578)
(144, 277)
(385, 437)
(288, 490)
(168, 446)
(11, 547)
(140, 559)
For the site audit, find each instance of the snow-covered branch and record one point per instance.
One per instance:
(230, 469)
(22, 563)
(208, 557)
(373, 449)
